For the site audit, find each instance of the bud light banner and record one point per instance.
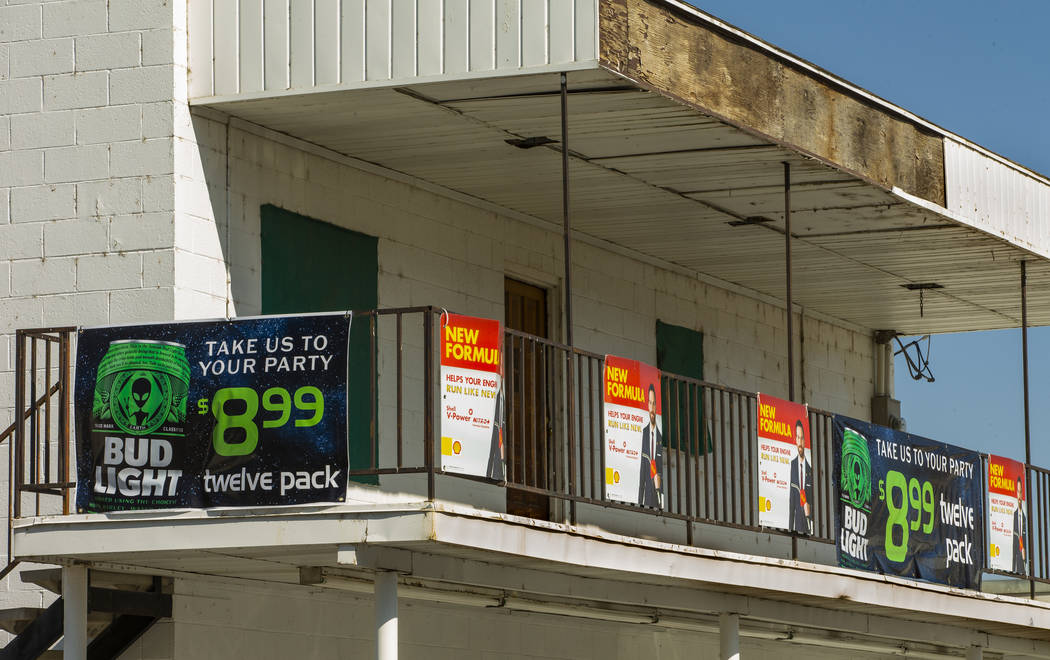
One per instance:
(246, 412)
(907, 505)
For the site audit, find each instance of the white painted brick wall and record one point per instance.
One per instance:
(21, 95)
(64, 19)
(43, 129)
(109, 124)
(30, 58)
(108, 51)
(221, 619)
(76, 90)
(86, 170)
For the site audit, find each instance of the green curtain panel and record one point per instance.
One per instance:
(680, 351)
(314, 266)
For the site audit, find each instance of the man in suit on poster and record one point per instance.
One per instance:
(497, 453)
(1020, 563)
(652, 460)
(801, 486)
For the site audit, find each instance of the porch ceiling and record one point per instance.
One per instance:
(655, 176)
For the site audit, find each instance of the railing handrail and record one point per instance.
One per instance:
(712, 410)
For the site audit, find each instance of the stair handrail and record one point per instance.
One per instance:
(13, 434)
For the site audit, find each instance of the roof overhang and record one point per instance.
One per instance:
(681, 131)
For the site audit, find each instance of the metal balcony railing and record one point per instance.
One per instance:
(553, 396)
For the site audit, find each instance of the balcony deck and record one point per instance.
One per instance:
(403, 513)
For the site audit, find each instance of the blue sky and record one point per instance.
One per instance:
(981, 70)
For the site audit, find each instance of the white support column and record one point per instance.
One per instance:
(974, 653)
(386, 615)
(729, 636)
(74, 609)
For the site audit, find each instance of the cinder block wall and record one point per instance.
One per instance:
(221, 619)
(119, 205)
(88, 90)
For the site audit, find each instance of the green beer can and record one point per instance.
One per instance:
(141, 388)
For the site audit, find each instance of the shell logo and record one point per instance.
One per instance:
(456, 447)
(616, 476)
(769, 504)
(995, 550)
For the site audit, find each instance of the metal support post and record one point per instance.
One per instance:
(386, 615)
(729, 636)
(787, 280)
(790, 310)
(567, 232)
(74, 611)
(566, 229)
(1027, 427)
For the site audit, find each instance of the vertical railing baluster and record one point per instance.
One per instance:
(710, 486)
(522, 475)
(601, 423)
(1044, 529)
(374, 396)
(65, 437)
(573, 388)
(553, 477)
(678, 445)
(751, 472)
(47, 411)
(724, 446)
(591, 477)
(428, 400)
(532, 407)
(400, 393)
(690, 457)
(510, 408)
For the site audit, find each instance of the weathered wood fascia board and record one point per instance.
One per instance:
(671, 52)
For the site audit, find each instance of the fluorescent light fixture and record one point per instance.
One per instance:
(583, 611)
(700, 625)
(903, 649)
(448, 597)
(322, 578)
(847, 643)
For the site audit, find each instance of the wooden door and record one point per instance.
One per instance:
(529, 400)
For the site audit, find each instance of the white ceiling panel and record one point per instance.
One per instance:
(656, 177)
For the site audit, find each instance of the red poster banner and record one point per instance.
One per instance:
(785, 468)
(472, 396)
(634, 452)
(1007, 515)
(469, 342)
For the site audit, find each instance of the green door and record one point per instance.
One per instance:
(314, 266)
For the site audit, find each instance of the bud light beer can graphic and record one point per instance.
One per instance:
(141, 389)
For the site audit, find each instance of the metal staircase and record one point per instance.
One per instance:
(121, 607)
